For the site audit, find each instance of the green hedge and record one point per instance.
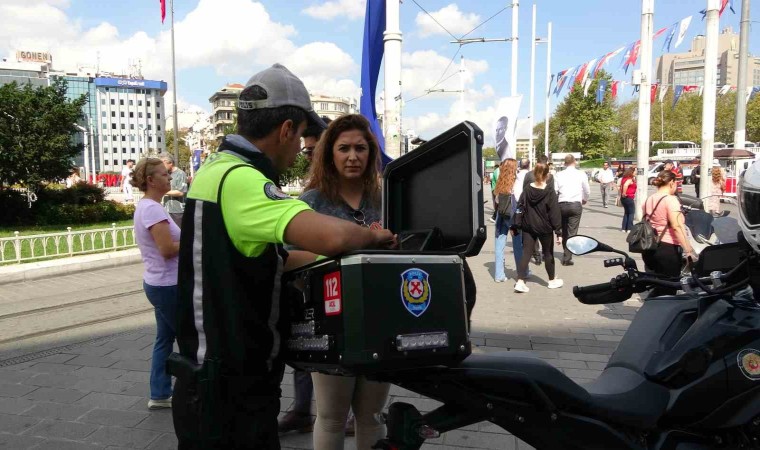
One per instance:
(79, 204)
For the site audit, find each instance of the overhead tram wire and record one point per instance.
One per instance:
(441, 78)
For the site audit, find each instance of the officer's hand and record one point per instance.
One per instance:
(384, 239)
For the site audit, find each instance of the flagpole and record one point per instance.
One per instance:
(515, 16)
(645, 104)
(174, 90)
(741, 86)
(708, 96)
(547, 113)
(531, 153)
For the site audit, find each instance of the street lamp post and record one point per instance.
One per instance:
(535, 41)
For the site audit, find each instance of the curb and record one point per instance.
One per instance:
(65, 266)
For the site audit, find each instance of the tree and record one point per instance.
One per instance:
(753, 119)
(184, 151)
(37, 125)
(296, 172)
(489, 153)
(587, 126)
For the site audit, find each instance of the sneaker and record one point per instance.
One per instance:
(521, 287)
(556, 283)
(567, 263)
(160, 404)
(492, 220)
(605, 206)
(500, 280)
(296, 421)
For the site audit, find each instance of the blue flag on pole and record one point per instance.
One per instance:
(677, 94)
(372, 56)
(669, 37)
(601, 89)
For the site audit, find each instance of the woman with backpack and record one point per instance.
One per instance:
(663, 211)
(537, 218)
(504, 212)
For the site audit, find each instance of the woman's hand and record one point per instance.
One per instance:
(559, 240)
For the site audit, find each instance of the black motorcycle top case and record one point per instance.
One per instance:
(372, 311)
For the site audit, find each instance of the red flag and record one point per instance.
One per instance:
(659, 33)
(615, 89)
(581, 73)
(163, 10)
(653, 92)
(690, 88)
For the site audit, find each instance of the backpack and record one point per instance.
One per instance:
(505, 205)
(643, 237)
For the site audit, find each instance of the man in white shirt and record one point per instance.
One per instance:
(573, 191)
(126, 181)
(606, 181)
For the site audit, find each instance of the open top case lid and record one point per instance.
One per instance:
(437, 190)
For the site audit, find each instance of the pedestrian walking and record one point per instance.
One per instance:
(627, 195)
(505, 211)
(158, 238)
(538, 219)
(663, 209)
(606, 182)
(529, 178)
(494, 179)
(174, 200)
(573, 192)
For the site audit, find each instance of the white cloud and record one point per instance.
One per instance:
(352, 9)
(235, 45)
(432, 124)
(454, 20)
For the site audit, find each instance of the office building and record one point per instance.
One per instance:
(131, 120)
(688, 68)
(223, 104)
(224, 112)
(26, 68)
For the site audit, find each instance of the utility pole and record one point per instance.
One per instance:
(645, 72)
(515, 20)
(392, 114)
(92, 149)
(740, 130)
(547, 106)
(461, 86)
(531, 153)
(174, 92)
(709, 95)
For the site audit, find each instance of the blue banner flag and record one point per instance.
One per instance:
(601, 88)
(677, 94)
(372, 56)
(669, 37)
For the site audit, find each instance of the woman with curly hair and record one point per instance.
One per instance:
(344, 182)
(505, 209)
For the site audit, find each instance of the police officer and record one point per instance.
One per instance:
(227, 393)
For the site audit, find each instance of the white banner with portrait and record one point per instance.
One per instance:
(505, 139)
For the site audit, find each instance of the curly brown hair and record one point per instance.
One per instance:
(144, 169)
(324, 177)
(717, 175)
(507, 176)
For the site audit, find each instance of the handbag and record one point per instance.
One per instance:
(643, 237)
(505, 205)
(519, 215)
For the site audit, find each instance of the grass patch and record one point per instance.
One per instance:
(61, 246)
(37, 229)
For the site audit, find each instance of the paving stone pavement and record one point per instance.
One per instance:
(94, 395)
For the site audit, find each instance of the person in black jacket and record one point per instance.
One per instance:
(540, 217)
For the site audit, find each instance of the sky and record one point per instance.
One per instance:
(227, 41)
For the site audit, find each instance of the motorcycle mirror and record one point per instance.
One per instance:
(581, 245)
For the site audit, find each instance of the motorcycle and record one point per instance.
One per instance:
(686, 375)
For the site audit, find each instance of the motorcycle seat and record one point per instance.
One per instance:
(618, 395)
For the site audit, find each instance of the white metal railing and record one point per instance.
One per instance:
(19, 249)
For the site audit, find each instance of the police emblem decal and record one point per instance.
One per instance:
(415, 291)
(274, 193)
(748, 361)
